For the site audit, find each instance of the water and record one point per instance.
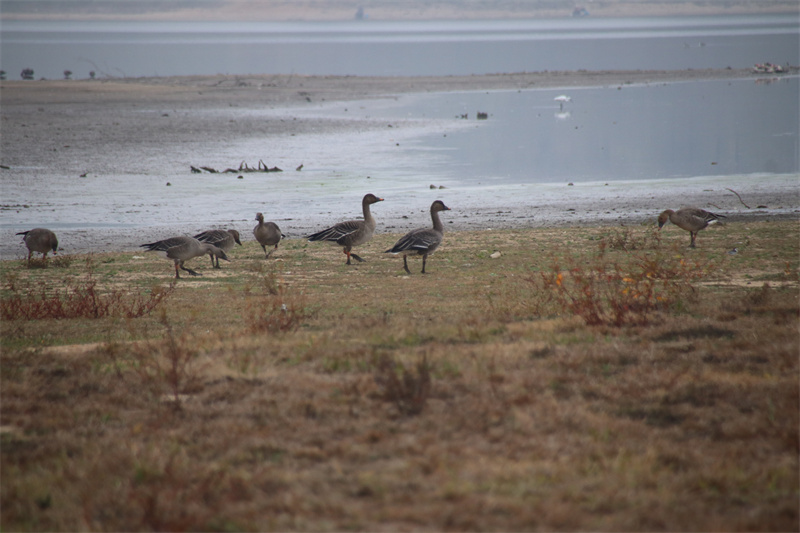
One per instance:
(404, 48)
(674, 130)
(618, 145)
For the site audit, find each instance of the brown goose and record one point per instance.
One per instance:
(39, 240)
(267, 234)
(351, 232)
(222, 239)
(181, 249)
(691, 219)
(423, 241)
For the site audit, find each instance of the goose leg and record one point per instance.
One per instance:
(405, 265)
(347, 253)
(424, 260)
(189, 270)
(694, 235)
(177, 273)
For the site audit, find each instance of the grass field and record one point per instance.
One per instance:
(542, 379)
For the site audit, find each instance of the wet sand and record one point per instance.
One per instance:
(54, 132)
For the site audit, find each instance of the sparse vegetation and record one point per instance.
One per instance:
(23, 299)
(604, 291)
(302, 394)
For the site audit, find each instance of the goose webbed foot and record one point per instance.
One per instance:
(190, 271)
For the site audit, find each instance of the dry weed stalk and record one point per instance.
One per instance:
(408, 390)
(78, 298)
(168, 365)
(275, 309)
(602, 291)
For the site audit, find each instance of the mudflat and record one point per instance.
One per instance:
(55, 132)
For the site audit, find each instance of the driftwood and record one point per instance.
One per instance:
(739, 197)
(243, 167)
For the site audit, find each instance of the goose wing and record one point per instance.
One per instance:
(420, 240)
(701, 216)
(213, 236)
(166, 244)
(337, 231)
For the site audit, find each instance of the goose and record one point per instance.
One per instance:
(181, 249)
(351, 232)
(267, 234)
(39, 240)
(691, 219)
(423, 241)
(222, 239)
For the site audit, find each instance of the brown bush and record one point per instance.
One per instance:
(77, 299)
(274, 308)
(168, 366)
(603, 291)
(407, 389)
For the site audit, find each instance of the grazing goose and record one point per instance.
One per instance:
(351, 232)
(181, 249)
(423, 241)
(691, 219)
(267, 234)
(39, 240)
(222, 239)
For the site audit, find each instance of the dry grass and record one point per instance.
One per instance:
(301, 394)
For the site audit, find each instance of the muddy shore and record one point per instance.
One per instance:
(62, 130)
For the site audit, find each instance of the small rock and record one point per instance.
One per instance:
(495, 255)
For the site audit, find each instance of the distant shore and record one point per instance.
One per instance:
(285, 89)
(328, 10)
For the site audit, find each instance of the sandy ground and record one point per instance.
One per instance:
(62, 127)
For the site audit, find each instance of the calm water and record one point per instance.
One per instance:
(395, 48)
(675, 130)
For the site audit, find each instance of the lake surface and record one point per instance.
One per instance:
(675, 130)
(403, 48)
(618, 145)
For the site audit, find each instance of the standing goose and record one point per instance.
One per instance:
(181, 249)
(691, 219)
(351, 232)
(423, 241)
(267, 234)
(222, 239)
(39, 240)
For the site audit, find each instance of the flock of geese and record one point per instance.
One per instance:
(347, 234)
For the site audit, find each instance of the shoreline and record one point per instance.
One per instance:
(387, 10)
(54, 129)
(291, 89)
